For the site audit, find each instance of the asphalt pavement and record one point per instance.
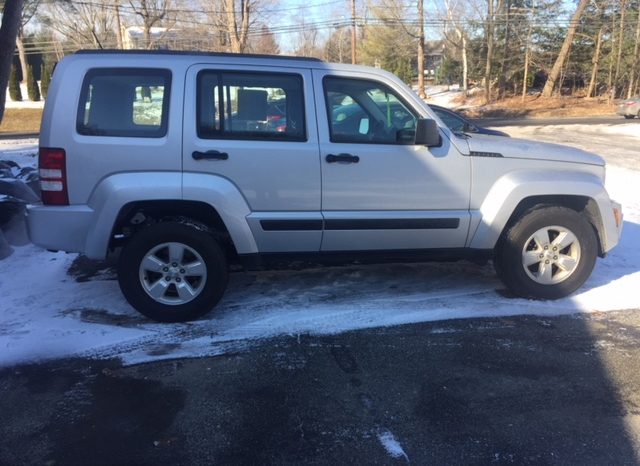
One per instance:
(522, 390)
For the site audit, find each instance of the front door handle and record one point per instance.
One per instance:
(342, 158)
(210, 155)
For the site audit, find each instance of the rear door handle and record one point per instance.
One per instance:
(342, 158)
(210, 155)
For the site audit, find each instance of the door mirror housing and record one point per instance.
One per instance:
(427, 133)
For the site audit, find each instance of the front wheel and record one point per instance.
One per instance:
(547, 254)
(172, 272)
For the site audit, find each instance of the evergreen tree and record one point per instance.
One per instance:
(45, 78)
(390, 43)
(14, 86)
(32, 85)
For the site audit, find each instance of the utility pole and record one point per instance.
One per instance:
(421, 91)
(118, 24)
(353, 32)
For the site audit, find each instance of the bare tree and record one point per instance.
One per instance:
(455, 34)
(635, 61)
(550, 85)
(84, 24)
(11, 15)
(265, 42)
(28, 11)
(151, 13)
(421, 90)
(238, 23)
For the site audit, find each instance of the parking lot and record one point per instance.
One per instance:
(383, 364)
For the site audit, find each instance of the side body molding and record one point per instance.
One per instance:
(510, 189)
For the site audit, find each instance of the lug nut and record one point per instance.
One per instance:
(174, 264)
(546, 247)
(541, 256)
(555, 258)
(181, 270)
(168, 279)
(178, 279)
(546, 262)
(165, 269)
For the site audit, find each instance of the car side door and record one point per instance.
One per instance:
(255, 126)
(380, 191)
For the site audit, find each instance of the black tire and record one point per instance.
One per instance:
(526, 281)
(630, 117)
(134, 279)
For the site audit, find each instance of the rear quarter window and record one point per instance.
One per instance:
(125, 102)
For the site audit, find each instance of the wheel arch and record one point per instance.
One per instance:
(578, 203)
(137, 215)
(516, 193)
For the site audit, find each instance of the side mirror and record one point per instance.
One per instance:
(427, 133)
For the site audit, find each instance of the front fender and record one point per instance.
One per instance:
(514, 187)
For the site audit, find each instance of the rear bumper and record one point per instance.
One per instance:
(627, 110)
(61, 228)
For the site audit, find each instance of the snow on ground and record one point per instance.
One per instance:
(25, 103)
(49, 311)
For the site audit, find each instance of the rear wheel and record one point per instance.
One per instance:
(171, 272)
(547, 254)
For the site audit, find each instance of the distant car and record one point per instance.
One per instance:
(459, 124)
(630, 108)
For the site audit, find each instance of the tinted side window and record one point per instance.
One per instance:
(453, 122)
(124, 102)
(257, 106)
(362, 111)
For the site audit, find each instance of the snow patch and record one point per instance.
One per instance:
(391, 445)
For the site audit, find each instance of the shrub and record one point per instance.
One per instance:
(45, 78)
(33, 91)
(14, 86)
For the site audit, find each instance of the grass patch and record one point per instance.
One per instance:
(536, 106)
(21, 120)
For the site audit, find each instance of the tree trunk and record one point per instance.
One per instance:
(526, 73)
(11, 17)
(487, 68)
(636, 61)
(421, 91)
(550, 85)
(354, 58)
(623, 5)
(238, 32)
(596, 63)
(505, 53)
(23, 56)
(465, 65)
(118, 25)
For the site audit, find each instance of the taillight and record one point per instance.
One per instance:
(53, 176)
(630, 102)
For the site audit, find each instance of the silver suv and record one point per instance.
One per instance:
(190, 161)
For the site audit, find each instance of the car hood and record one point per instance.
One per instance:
(513, 148)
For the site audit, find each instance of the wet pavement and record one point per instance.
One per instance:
(522, 390)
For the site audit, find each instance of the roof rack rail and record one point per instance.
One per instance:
(198, 53)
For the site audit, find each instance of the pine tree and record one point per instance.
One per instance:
(14, 86)
(32, 85)
(45, 78)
